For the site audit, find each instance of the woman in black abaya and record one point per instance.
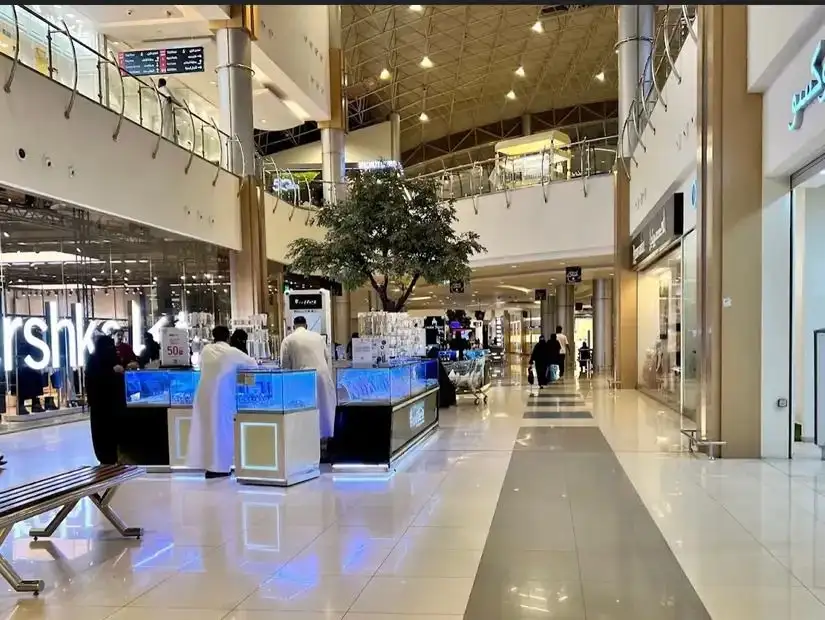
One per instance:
(106, 397)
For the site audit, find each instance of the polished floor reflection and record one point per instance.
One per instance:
(575, 503)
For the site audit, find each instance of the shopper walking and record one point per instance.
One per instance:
(541, 358)
(106, 396)
(554, 348)
(565, 349)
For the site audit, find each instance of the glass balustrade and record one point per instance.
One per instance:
(47, 47)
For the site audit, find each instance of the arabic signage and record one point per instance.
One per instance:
(305, 302)
(573, 275)
(162, 61)
(540, 294)
(456, 286)
(174, 347)
(813, 92)
(658, 231)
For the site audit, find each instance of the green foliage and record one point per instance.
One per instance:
(390, 231)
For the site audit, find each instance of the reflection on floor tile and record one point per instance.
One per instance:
(547, 515)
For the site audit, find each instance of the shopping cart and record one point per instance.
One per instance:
(470, 377)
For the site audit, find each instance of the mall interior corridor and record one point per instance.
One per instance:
(576, 503)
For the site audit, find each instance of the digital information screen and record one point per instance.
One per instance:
(162, 62)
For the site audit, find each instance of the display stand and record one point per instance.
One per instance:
(277, 437)
(383, 412)
(159, 414)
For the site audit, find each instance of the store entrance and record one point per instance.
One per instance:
(807, 332)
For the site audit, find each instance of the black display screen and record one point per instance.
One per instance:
(408, 422)
(162, 61)
(305, 302)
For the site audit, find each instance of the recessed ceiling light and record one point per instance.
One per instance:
(511, 95)
(263, 121)
(600, 76)
(385, 74)
(416, 7)
(426, 63)
(537, 27)
(520, 71)
(423, 117)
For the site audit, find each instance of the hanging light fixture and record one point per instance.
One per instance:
(426, 63)
(385, 74)
(520, 71)
(537, 27)
(511, 95)
(600, 76)
(423, 117)
(416, 8)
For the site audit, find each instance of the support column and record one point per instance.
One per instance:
(603, 324)
(566, 310)
(625, 313)
(341, 318)
(248, 268)
(548, 316)
(526, 125)
(645, 26)
(333, 131)
(395, 137)
(729, 220)
(628, 52)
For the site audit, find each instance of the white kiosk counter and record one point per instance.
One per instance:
(277, 435)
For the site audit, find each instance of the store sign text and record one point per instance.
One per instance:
(48, 337)
(814, 91)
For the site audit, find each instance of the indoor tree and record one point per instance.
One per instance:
(391, 232)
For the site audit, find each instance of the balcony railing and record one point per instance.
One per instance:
(677, 24)
(50, 49)
(304, 190)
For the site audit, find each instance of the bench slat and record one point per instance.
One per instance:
(48, 490)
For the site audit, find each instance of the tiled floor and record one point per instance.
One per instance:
(531, 507)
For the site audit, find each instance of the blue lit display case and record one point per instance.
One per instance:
(159, 415)
(277, 433)
(386, 384)
(383, 411)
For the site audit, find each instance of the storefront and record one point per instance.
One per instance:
(657, 256)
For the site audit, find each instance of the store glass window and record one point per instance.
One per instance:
(659, 330)
(690, 327)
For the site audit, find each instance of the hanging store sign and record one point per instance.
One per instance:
(659, 231)
(573, 275)
(162, 61)
(305, 302)
(813, 92)
(540, 294)
(48, 336)
(456, 286)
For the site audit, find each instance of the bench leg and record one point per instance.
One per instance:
(17, 583)
(50, 529)
(102, 502)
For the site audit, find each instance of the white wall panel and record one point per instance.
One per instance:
(784, 150)
(280, 230)
(293, 49)
(76, 161)
(670, 153)
(568, 225)
(367, 144)
(776, 33)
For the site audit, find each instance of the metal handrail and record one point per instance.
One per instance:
(116, 133)
(103, 63)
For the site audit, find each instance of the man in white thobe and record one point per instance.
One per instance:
(211, 435)
(306, 350)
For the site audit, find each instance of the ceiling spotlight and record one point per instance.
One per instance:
(385, 74)
(416, 7)
(426, 63)
(520, 71)
(511, 95)
(537, 27)
(6, 235)
(600, 76)
(423, 117)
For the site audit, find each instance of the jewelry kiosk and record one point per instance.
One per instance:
(383, 412)
(160, 401)
(277, 435)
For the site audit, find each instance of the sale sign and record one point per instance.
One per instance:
(174, 347)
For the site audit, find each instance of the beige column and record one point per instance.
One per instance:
(341, 318)
(625, 355)
(729, 226)
(248, 268)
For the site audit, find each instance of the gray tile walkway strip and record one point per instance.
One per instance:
(557, 415)
(571, 539)
(556, 403)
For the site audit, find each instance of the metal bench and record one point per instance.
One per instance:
(64, 491)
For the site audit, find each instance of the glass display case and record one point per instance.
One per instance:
(147, 388)
(182, 386)
(273, 389)
(161, 388)
(385, 384)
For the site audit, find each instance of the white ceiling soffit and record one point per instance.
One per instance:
(146, 23)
